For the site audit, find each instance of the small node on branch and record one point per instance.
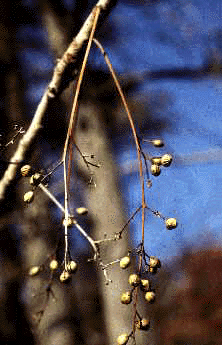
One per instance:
(53, 265)
(26, 170)
(166, 160)
(143, 324)
(33, 271)
(126, 297)
(171, 223)
(157, 142)
(124, 262)
(65, 277)
(145, 284)
(134, 280)
(82, 211)
(28, 197)
(155, 170)
(122, 339)
(150, 296)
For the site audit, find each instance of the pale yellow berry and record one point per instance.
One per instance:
(29, 196)
(154, 262)
(122, 339)
(155, 170)
(134, 280)
(126, 297)
(171, 223)
(65, 277)
(72, 266)
(145, 284)
(124, 262)
(150, 296)
(53, 265)
(156, 160)
(82, 211)
(157, 142)
(35, 179)
(33, 271)
(166, 160)
(69, 222)
(25, 170)
(143, 324)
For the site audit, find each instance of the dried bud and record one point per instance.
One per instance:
(125, 262)
(150, 296)
(53, 265)
(143, 324)
(29, 196)
(166, 160)
(157, 142)
(25, 170)
(65, 277)
(69, 222)
(82, 211)
(134, 280)
(155, 170)
(156, 160)
(126, 297)
(154, 262)
(33, 271)
(35, 179)
(72, 266)
(122, 339)
(145, 284)
(171, 223)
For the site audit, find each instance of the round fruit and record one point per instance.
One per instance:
(157, 142)
(124, 262)
(150, 296)
(171, 223)
(25, 170)
(29, 196)
(33, 271)
(82, 211)
(65, 277)
(154, 262)
(155, 170)
(72, 266)
(53, 265)
(126, 297)
(166, 160)
(134, 280)
(122, 339)
(145, 284)
(143, 324)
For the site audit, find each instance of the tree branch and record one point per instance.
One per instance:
(64, 72)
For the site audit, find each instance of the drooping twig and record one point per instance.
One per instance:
(63, 74)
